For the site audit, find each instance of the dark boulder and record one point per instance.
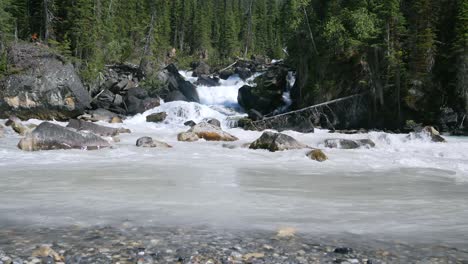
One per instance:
(82, 125)
(225, 74)
(48, 136)
(105, 99)
(200, 68)
(190, 123)
(267, 95)
(276, 142)
(175, 87)
(254, 115)
(44, 85)
(205, 80)
(138, 101)
(244, 73)
(157, 117)
(448, 119)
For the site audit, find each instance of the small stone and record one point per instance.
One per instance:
(156, 118)
(254, 255)
(148, 142)
(190, 123)
(343, 250)
(116, 119)
(317, 155)
(286, 232)
(187, 137)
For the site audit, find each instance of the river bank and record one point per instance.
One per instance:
(129, 244)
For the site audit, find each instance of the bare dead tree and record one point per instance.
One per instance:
(249, 30)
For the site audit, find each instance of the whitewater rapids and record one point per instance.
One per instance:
(408, 189)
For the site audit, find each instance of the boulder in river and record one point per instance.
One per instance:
(205, 80)
(48, 136)
(211, 132)
(43, 86)
(276, 142)
(200, 68)
(187, 137)
(244, 73)
(190, 123)
(148, 142)
(157, 117)
(225, 74)
(175, 87)
(98, 115)
(82, 125)
(138, 101)
(212, 121)
(267, 95)
(317, 154)
(17, 126)
(342, 143)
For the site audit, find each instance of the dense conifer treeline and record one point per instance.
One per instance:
(410, 54)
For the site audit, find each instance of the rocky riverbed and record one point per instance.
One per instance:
(129, 244)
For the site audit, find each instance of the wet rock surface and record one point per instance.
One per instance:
(82, 125)
(99, 245)
(211, 132)
(157, 117)
(48, 136)
(148, 142)
(342, 143)
(276, 142)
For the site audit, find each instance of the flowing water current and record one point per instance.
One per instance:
(407, 189)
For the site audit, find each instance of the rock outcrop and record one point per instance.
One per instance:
(187, 137)
(175, 87)
(48, 136)
(41, 85)
(276, 142)
(267, 95)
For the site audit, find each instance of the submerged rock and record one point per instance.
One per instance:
(342, 143)
(205, 80)
(157, 117)
(82, 125)
(48, 136)
(212, 121)
(148, 142)
(428, 132)
(317, 155)
(44, 85)
(211, 132)
(276, 142)
(98, 115)
(17, 126)
(187, 137)
(190, 123)
(2, 131)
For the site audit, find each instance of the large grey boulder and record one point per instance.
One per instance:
(82, 125)
(43, 85)
(48, 136)
(276, 142)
